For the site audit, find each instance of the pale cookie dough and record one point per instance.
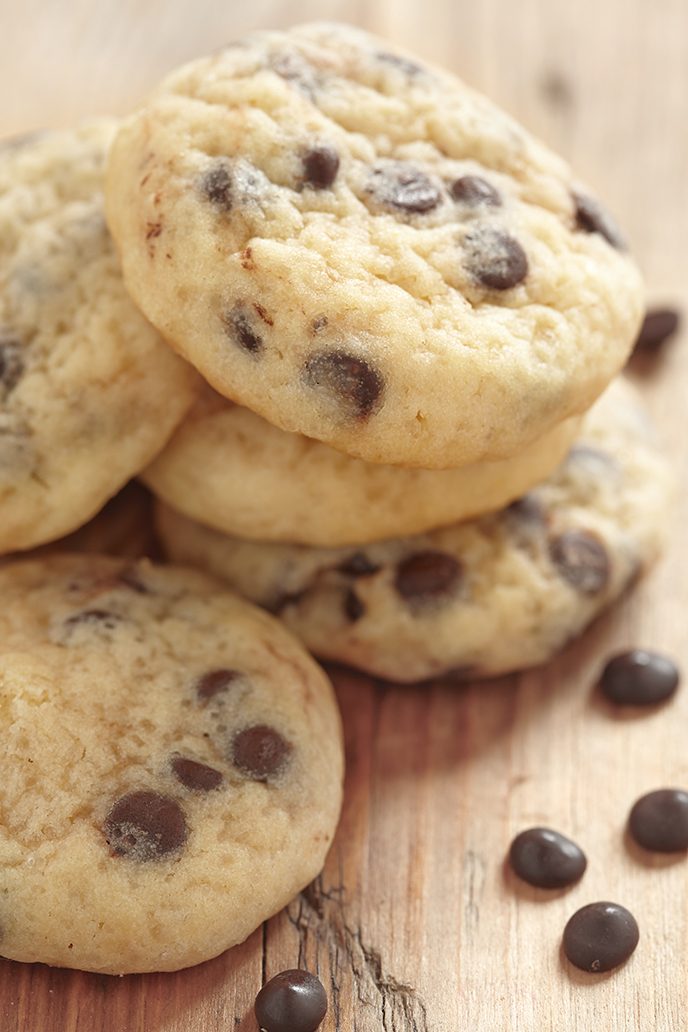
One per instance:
(233, 471)
(360, 248)
(480, 598)
(172, 765)
(89, 392)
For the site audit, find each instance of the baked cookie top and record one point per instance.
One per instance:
(89, 392)
(172, 765)
(360, 248)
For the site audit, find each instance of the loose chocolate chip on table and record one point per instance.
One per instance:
(495, 258)
(592, 218)
(349, 379)
(358, 565)
(474, 190)
(145, 826)
(639, 678)
(194, 775)
(320, 167)
(546, 859)
(353, 607)
(99, 617)
(238, 326)
(214, 682)
(216, 184)
(581, 559)
(659, 820)
(402, 186)
(11, 362)
(260, 752)
(600, 936)
(292, 1001)
(658, 325)
(427, 575)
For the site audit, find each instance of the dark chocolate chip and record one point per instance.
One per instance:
(353, 607)
(600, 936)
(216, 184)
(351, 380)
(639, 678)
(495, 258)
(214, 682)
(527, 509)
(659, 821)
(427, 575)
(196, 776)
(546, 859)
(260, 752)
(239, 326)
(592, 218)
(403, 187)
(100, 617)
(145, 826)
(292, 1001)
(11, 362)
(582, 560)
(474, 190)
(658, 325)
(358, 565)
(320, 166)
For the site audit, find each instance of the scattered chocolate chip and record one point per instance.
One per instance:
(600, 936)
(214, 682)
(639, 678)
(582, 560)
(475, 190)
(196, 776)
(592, 218)
(292, 1001)
(403, 187)
(145, 826)
(358, 565)
(216, 184)
(546, 859)
(527, 509)
(658, 326)
(102, 617)
(427, 575)
(353, 607)
(349, 379)
(11, 362)
(320, 166)
(495, 259)
(659, 821)
(260, 752)
(237, 324)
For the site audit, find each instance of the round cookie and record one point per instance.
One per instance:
(89, 392)
(172, 765)
(361, 249)
(231, 470)
(496, 594)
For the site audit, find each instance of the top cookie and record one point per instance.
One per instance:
(89, 392)
(359, 248)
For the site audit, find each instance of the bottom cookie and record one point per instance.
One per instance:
(494, 595)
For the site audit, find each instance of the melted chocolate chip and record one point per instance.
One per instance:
(353, 607)
(292, 1001)
(320, 167)
(238, 325)
(145, 826)
(639, 678)
(196, 776)
(600, 936)
(427, 575)
(349, 379)
(474, 190)
(546, 859)
(592, 218)
(403, 187)
(260, 752)
(100, 617)
(581, 559)
(216, 184)
(658, 326)
(214, 682)
(358, 565)
(495, 258)
(659, 821)
(11, 362)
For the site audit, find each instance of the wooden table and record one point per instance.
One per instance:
(414, 924)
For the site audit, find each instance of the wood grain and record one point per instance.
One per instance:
(414, 924)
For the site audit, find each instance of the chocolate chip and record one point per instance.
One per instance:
(145, 826)
(216, 184)
(659, 821)
(214, 682)
(495, 259)
(238, 325)
(100, 617)
(474, 190)
(592, 218)
(658, 325)
(292, 1001)
(403, 187)
(353, 607)
(528, 509)
(427, 575)
(409, 68)
(581, 559)
(600, 936)
(349, 379)
(260, 752)
(196, 776)
(546, 859)
(11, 362)
(320, 166)
(358, 565)
(639, 678)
